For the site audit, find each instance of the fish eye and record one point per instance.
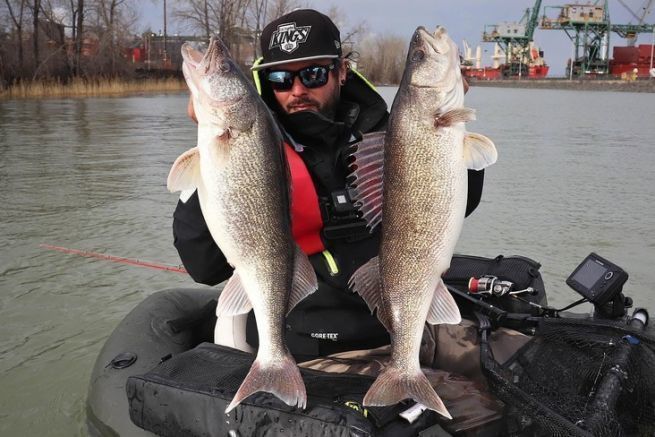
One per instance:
(224, 66)
(418, 55)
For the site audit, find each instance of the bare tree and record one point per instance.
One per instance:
(114, 20)
(349, 33)
(256, 19)
(197, 15)
(225, 17)
(35, 34)
(256, 14)
(232, 16)
(277, 8)
(16, 12)
(78, 35)
(56, 59)
(382, 59)
(74, 21)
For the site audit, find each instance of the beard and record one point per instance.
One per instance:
(327, 109)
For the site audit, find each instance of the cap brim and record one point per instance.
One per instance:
(288, 61)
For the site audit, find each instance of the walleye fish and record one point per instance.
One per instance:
(416, 185)
(240, 173)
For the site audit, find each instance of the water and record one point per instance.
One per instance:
(574, 176)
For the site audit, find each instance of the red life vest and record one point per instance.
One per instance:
(306, 220)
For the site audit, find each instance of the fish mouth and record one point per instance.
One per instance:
(215, 59)
(436, 41)
(435, 59)
(203, 71)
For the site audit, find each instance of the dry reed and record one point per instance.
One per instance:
(79, 87)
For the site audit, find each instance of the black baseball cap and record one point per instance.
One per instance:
(301, 35)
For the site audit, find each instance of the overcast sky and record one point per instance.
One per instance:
(464, 20)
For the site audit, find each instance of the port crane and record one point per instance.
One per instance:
(589, 27)
(515, 40)
(630, 31)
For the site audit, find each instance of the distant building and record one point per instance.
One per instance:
(154, 52)
(52, 32)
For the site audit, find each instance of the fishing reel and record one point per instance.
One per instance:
(489, 285)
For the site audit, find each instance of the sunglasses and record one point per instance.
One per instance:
(314, 76)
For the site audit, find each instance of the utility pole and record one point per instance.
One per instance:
(652, 48)
(165, 53)
(573, 54)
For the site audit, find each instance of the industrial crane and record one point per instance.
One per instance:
(630, 31)
(588, 26)
(514, 39)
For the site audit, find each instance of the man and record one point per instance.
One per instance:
(322, 106)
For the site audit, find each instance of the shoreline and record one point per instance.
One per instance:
(81, 88)
(637, 86)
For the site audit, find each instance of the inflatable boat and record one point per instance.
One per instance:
(160, 374)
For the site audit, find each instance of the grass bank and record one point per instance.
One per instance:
(79, 87)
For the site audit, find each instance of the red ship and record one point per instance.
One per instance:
(505, 71)
(632, 62)
(532, 65)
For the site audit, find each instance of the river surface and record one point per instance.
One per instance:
(574, 175)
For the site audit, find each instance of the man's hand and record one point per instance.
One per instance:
(190, 111)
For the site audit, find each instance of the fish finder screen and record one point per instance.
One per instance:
(589, 274)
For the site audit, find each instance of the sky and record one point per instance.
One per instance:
(464, 20)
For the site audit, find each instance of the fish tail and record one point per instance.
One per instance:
(282, 379)
(393, 385)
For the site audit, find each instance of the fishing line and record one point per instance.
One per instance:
(116, 259)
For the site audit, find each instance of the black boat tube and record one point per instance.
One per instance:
(164, 324)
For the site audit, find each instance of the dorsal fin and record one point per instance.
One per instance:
(367, 175)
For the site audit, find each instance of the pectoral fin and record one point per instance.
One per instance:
(304, 279)
(185, 173)
(443, 308)
(449, 118)
(479, 151)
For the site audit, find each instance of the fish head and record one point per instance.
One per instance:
(222, 95)
(433, 64)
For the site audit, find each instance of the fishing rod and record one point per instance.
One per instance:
(116, 259)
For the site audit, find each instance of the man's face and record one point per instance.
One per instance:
(300, 98)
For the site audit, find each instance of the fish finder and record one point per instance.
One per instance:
(597, 279)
